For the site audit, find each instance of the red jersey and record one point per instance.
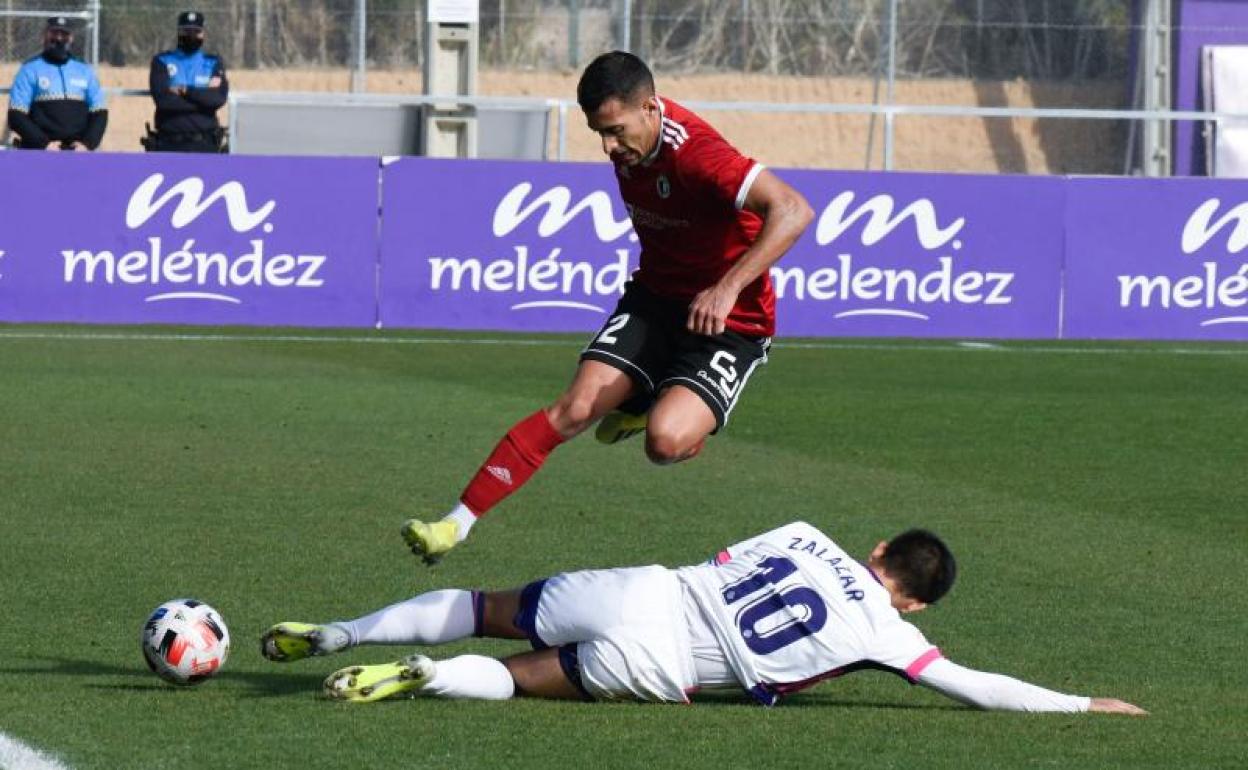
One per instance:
(686, 201)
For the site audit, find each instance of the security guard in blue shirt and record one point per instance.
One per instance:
(56, 102)
(188, 86)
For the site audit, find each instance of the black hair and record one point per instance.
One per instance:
(615, 75)
(922, 565)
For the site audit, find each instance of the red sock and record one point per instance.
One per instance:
(517, 457)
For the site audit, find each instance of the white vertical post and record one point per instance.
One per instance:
(361, 30)
(563, 131)
(257, 31)
(95, 32)
(232, 104)
(626, 26)
(1156, 67)
(574, 33)
(745, 35)
(6, 40)
(892, 79)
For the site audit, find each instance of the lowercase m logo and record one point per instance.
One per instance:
(1201, 228)
(878, 210)
(191, 203)
(557, 212)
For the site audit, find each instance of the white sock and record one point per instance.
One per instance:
(430, 618)
(464, 517)
(471, 676)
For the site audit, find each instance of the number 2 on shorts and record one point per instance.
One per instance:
(614, 325)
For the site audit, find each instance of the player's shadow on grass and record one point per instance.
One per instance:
(281, 683)
(262, 684)
(820, 700)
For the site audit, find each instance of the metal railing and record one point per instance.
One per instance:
(562, 106)
(888, 112)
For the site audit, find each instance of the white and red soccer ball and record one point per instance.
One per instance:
(185, 641)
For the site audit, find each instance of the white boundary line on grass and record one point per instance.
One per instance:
(15, 755)
(939, 345)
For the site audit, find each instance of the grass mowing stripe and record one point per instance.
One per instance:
(1129, 348)
(15, 755)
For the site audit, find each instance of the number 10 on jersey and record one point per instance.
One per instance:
(793, 614)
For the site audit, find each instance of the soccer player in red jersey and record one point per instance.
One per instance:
(695, 320)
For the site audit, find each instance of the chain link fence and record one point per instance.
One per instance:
(1004, 39)
(22, 23)
(1055, 54)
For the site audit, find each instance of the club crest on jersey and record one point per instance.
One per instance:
(44, 83)
(173, 69)
(663, 186)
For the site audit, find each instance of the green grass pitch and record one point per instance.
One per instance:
(1096, 495)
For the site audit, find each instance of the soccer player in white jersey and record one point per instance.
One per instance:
(771, 615)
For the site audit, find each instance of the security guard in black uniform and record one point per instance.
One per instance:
(188, 86)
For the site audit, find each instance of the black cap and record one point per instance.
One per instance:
(59, 22)
(190, 20)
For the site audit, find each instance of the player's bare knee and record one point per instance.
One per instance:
(665, 448)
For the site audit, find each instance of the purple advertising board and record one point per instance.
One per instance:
(502, 245)
(923, 255)
(499, 245)
(1156, 259)
(127, 238)
(548, 247)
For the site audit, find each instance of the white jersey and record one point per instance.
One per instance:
(790, 608)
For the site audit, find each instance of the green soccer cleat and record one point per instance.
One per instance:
(295, 641)
(430, 541)
(365, 684)
(618, 425)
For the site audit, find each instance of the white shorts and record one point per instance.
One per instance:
(628, 628)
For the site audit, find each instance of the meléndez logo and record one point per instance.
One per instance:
(1219, 287)
(538, 274)
(193, 270)
(873, 290)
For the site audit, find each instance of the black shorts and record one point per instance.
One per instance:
(646, 339)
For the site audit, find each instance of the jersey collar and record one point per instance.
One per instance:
(872, 572)
(658, 139)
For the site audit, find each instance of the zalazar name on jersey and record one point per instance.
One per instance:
(686, 200)
(791, 608)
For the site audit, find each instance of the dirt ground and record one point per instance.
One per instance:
(794, 140)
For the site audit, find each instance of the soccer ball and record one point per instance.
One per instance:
(185, 641)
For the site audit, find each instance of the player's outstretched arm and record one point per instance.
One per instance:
(997, 692)
(1115, 706)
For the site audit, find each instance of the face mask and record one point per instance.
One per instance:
(189, 44)
(57, 51)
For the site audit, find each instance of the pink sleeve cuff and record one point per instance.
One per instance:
(923, 661)
(722, 557)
